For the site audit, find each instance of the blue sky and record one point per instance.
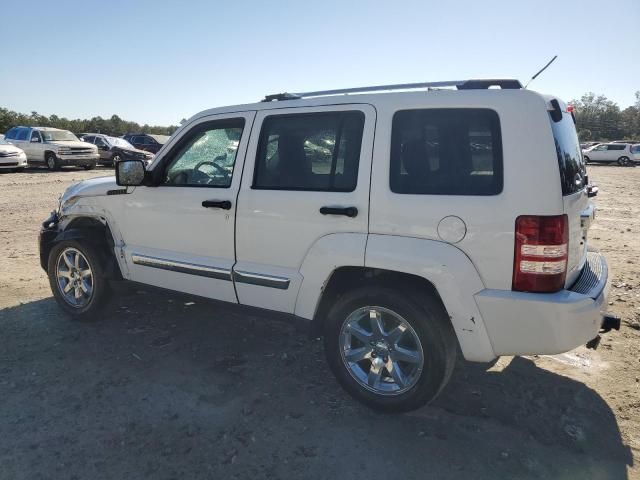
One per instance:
(156, 62)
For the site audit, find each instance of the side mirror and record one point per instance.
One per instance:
(130, 173)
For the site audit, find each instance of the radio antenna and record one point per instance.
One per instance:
(541, 70)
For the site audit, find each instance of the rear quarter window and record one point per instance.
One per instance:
(446, 152)
(570, 162)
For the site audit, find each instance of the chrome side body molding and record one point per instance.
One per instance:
(271, 281)
(182, 267)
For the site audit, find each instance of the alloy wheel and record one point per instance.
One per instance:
(74, 277)
(381, 350)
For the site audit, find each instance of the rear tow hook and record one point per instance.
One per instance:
(609, 322)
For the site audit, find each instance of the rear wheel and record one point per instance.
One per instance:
(77, 279)
(388, 349)
(51, 161)
(623, 161)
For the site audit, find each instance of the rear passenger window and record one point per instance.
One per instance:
(316, 151)
(446, 152)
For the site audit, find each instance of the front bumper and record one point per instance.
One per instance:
(46, 238)
(79, 160)
(520, 323)
(13, 162)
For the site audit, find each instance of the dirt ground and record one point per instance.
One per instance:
(171, 387)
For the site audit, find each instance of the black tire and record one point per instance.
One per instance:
(586, 159)
(51, 161)
(429, 320)
(623, 161)
(101, 287)
(90, 166)
(19, 169)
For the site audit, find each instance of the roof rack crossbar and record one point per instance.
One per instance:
(459, 84)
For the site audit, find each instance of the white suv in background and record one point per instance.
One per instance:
(53, 147)
(621, 153)
(402, 226)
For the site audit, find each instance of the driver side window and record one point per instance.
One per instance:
(205, 157)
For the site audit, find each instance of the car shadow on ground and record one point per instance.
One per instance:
(168, 386)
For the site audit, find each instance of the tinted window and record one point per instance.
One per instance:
(206, 156)
(11, 134)
(100, 142)
(88, 138)
(572, 168)
(616, 147)
(635, 149)
(22, 134)
(446, 152)
(317, 151)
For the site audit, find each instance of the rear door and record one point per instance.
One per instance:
(307, 175)
(576, 203)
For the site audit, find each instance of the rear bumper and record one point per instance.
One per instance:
(520, 323)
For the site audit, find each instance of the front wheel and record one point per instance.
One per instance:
(390, 350)
(623, 161)
(77, 279)
(586, 159)
(51, 161)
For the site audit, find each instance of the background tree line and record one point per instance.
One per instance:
(110, 126)
(599, 119)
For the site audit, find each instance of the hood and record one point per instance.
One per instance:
(78, 144)
(134, 150)
(94, 187)
(10, 148)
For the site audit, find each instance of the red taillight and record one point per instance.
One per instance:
(570, 108)
(540, 260)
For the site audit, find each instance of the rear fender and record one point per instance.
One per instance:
(452, 274)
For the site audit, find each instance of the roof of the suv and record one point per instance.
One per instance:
(402, 93)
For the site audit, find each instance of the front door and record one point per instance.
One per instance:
(307, 176)
(180, 234)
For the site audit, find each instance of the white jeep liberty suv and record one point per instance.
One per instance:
(403, 222)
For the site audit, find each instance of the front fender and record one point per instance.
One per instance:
(451, 273)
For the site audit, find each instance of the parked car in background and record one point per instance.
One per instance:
(586, 145)
(331, 209)
(11, 157)
(147, 142)
(113, 149)
(619, 153)
(53, 147)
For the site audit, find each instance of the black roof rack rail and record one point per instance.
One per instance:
(459, 84)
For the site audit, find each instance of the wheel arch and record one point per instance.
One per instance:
(424, 266)
(93, 230)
